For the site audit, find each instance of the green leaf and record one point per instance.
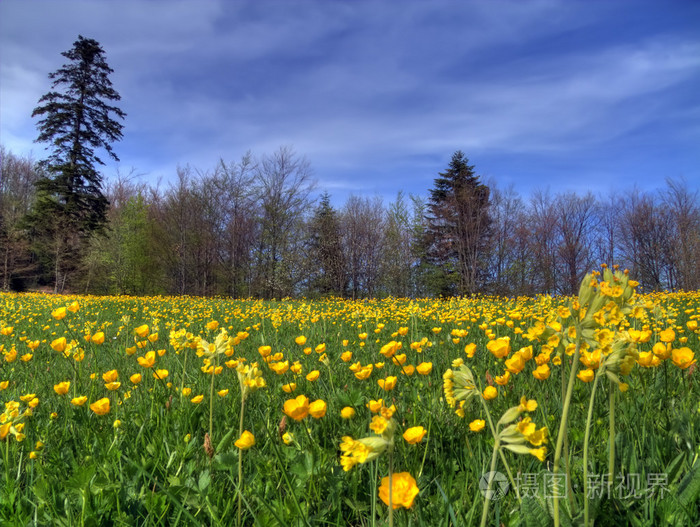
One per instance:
(204, 481)
(81, 478)
(689, 487)
(533, 513)
(674, 467)
(226, 441)
(225, 461)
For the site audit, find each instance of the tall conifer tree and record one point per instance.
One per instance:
(76, 117)
(458, 228)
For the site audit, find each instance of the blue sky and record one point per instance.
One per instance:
(571, 95)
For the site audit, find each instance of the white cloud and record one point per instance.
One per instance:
(357, 86)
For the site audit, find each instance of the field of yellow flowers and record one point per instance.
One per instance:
(191, 411)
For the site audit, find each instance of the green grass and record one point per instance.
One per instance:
(154, 470)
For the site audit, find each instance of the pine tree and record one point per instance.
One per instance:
(329, 263)
(458, 225)
(74, 122)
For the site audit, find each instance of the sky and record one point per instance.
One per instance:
(565, 95)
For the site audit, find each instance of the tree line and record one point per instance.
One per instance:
(254, 228)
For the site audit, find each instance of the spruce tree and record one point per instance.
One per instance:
(329, 263)
(458, 227)
(76, 118)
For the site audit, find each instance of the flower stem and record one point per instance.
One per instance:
(391, 489)
(240, 462)
(563, 428)
(611, 436)
(211, 402)
(487, 498)
(510, 476)
(585, 450)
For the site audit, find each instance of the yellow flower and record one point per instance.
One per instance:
(186, 392)
(403, 490)
(527, 405)
(135, 378)
(378, 424)
(389, 349)
(667, 335)
(586, 375)
(682, 357)
(516, 363)
(539, 453)
(409, 369)
(414, 435)
(424, 368)
(212, 325)
(5, 429)
(246, 440)
(117, 423)
(197, 399)
(347, 412)
(300, 340)
(470, 349)
(62, 387)
(59, 344)
(542, 372)
(289, 388)
(321, 348)
(78, 401)
(73, 307)
(661, 350)
(111, 386)
(148, 360)
(365, 372)
(100, 407)
(280, 367)
(160, 374)
(288, 438)
(346, 356)
(499, 347)
(387, 384)
(375, 406)
(317, 409)
(477, 425)
(297, 408)
(4, 385)
(312, 375)
(110, 376)
(59, 313)
(502, 380)
(399, 360)
(98, 338)
(490, 392)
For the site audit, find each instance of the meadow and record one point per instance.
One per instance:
(194, 411)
